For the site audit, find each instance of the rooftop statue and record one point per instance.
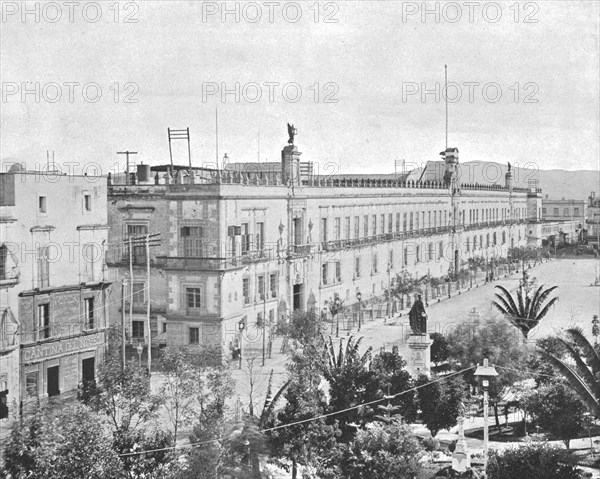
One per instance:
(291, 132)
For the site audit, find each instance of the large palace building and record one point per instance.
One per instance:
(249, 243)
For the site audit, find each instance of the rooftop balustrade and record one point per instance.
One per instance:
(230, 177)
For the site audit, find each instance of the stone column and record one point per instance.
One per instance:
(419, 358)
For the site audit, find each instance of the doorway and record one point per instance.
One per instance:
(298, 294)
(4, 404)
(52, 381)
(456, 262)
(88, 373)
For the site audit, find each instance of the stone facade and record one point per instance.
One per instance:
(564, 210)
(593, 218)
(53, 289)
(240, 250)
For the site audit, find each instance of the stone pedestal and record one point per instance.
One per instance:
(419, 358)
(461, 459)
(290, 165)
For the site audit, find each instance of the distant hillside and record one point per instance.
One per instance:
(554, 183)
(569, 184)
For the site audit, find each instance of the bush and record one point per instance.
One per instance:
(431, 444)
(533, 461)
(382, 451)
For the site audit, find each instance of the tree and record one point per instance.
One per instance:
(297, 433)
(534, 460)
(384, 451)
(181, 386)
(440, 402)
(195, 391)
(351, 384)
(526, 309)
(583, 371)
(254, 383)
(557, 410)
(304, 327)
(439, 348)
(74, 443)
(545, 371)
(192, 388)
(476, 263)
(124, 396)
(404, 284)
(392, 379)
(20, 451)
(521, 254)
(498, 341)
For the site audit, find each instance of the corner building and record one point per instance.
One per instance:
(53, 292)
(242, 248)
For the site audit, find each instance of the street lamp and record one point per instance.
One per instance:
(334, 308)
(140, 350)
(359, 298)
(241, 326)
(485, 372)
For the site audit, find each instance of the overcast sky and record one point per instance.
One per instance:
(361, 70)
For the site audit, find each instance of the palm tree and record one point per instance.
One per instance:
(583, 371)
(527, 309)
(346, 356)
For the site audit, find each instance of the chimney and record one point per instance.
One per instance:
(143, 174)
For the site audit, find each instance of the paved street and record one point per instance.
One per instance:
(578, 302)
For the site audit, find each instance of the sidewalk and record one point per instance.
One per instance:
(379, 332)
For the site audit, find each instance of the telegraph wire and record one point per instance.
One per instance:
(281, 426)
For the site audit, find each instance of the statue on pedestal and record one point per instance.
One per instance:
(418, 317)
(291, 133)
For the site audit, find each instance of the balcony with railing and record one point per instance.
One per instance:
(301, 250)
(493, 224)
(197, 264)
(337, 245)
(190, 263)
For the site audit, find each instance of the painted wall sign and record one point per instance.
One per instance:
(44, 351)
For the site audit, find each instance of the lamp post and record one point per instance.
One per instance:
(264, 321)
(486, 373)
(140, 350)
(241, 326)
(389, 292)
(359, 298)
(335, 309)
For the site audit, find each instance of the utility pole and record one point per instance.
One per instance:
(123, 322)
(217, 136)
(130, 284)
(446, 97)
(127, 153)
(143, 241)
(148, 302)
(264, 323)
